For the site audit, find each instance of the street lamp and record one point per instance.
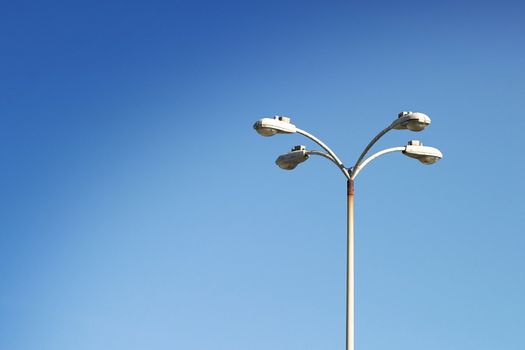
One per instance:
(413, 121)
(290, 160)
(426, 155)
(275, 125)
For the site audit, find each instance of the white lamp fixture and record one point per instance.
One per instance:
(292, 159)
(414, 121)
(275, 125)
(426, 155)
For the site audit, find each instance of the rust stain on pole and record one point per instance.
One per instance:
(350, 187)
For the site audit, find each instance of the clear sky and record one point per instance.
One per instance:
(140, 210)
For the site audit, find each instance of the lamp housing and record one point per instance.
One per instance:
(275, 125)
(414, 121)
(291, 159)
(425, 154)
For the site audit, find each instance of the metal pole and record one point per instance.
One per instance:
(350, 267)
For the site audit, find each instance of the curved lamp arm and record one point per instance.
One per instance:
(335, 159)
(356, 170)
(374, 140)
(322, 154)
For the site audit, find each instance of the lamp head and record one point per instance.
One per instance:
(292, 159)
(414, 121)
(275, 125)
(426, 155)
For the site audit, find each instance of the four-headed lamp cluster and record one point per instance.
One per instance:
(413, 121)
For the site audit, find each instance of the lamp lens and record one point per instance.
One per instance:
(287, 166)
(266, 131)
(428, 159)
(415, 125)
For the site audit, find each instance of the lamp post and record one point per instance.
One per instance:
(413, 121)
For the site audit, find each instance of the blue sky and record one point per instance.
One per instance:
(141, 210)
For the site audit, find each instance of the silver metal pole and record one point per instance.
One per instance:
(350, 339)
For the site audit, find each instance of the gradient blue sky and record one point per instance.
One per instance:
(141, 211)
